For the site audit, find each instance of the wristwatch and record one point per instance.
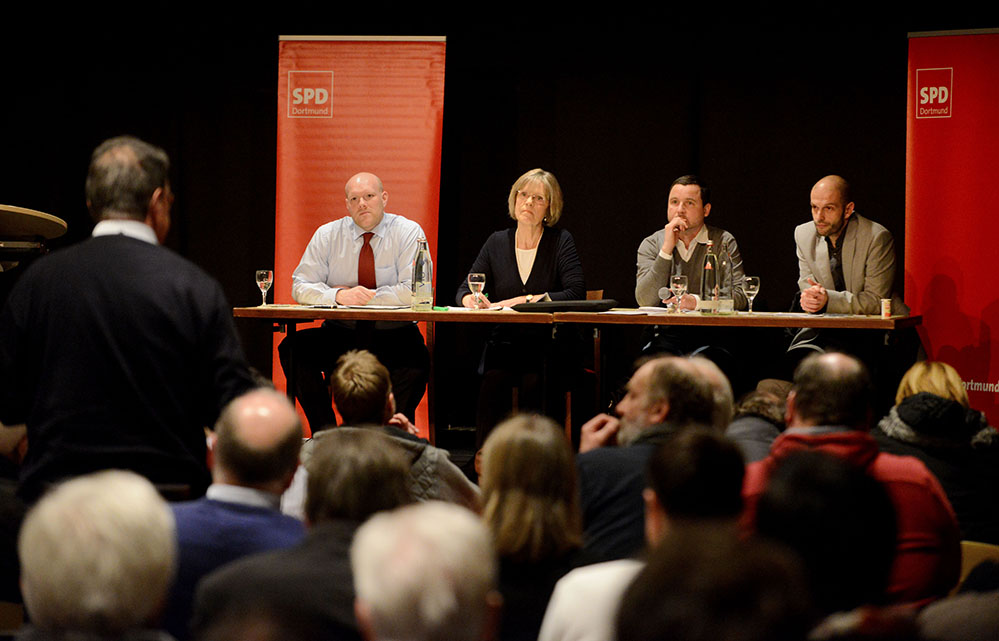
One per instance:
(530, 297)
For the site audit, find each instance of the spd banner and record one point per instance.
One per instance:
(346, 105)
(952, 160)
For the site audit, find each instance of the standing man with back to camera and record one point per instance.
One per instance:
(117, 352)
(365, 258)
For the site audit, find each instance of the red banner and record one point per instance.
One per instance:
(346, 105)
(952, 165)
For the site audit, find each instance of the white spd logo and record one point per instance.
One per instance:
(310, 94)
(934, 92)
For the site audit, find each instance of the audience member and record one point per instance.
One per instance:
(759, 420)
(721, 391)
(425, 572)
(969, 616)
(97, 558)
(13, 445)
(707, 584)
(264, 623)
(256, 443)
(665, 395)
(932, 421)
(531, 507)
(829, 410)
(362, 391)
(351, 476)
(840, 522)
(116, 352)
(869, 623)
(694, 481)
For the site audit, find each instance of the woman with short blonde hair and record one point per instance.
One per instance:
(532, 262)
(935, 377)
(933, 422)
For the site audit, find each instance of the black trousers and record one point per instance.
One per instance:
(316, 350)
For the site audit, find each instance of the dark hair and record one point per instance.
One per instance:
(704, 584)
(124, 172)
(840, 522)
(763, 405)
(697, 474)
(353, 474)
(361, 386)
(690, 397)
(691, 179)
(833, 389)
(255, 466)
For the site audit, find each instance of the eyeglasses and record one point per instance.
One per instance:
(539, 199)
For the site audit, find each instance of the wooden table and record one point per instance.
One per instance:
(740, 319)
(23, 232)
(293, 314)
(285, 318)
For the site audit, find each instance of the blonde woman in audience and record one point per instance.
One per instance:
(933, 422)
(532, 510)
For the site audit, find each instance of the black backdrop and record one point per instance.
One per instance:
(616, 106)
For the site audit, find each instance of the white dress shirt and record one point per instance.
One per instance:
(243, 496)
(126, 227)
(330, 261)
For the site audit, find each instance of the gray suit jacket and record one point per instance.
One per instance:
(868, 267)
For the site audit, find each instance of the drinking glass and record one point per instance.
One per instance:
(752, 289)
(264, 279)
(476, 283)
(678, 285)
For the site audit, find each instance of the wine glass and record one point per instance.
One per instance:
(678, 285)
(476, 283)
(752, 289)
(264, 279)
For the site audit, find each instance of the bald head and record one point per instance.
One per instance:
(365, 179)
(124, 174)
(830, 389)
(831, 206)
(837, 184)
(366, 200)
(258, 438)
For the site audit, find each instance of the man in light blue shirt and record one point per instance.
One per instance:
(365, 258)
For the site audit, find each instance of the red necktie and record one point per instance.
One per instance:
(366, 264)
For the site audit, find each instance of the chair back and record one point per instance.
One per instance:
(973, 553)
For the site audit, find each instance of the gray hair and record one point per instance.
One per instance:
(425, 573)
(97, 554)
(124, 172)
(721, 391)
